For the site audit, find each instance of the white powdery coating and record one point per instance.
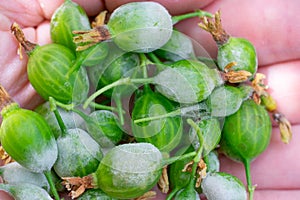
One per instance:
(14, 173)
(225, 100)
(135, 164)
(218, 187)
(42, 161)
(90, 144)
(26, 191)
(148, 156)
(140, 26)
(76, 150)
(70, 118)
(176, 86)
(178, 47)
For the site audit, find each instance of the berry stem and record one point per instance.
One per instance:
(173, 159)
(119, 105)
(58, 117)
(154, 58)
(119, 82)
(172, 193)
(198, 13)
(52, 185)
(170, 114)
(104, 107)
(251, 188)
(180, 111)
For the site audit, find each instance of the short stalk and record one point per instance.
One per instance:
(154, 58)
(83, 115)
(52, 185)
(118, 101)
(181, 111)
(251, 188)
(119, 82)
(172, 193)
(198, 13)
(65, 106)
(173, 159)
(170, 114)
(104, 89)
(77, 64)
(198, 156)
(144, 64)
(58, 117)
(104, 107)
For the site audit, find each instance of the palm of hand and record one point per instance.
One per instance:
(276, 170)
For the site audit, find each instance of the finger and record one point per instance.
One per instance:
(272, 31)
(282, 79)
(276, 168)
(174, 7)
(276, 194)
(49, 7)
(5, 196)
(13, 74)
(91, 7)
(43, 33)
(26, 13)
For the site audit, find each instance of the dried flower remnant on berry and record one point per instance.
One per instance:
(98, 33)
(18, 33)
(284, 127)
(5, 157)
(5, 98)
(77, 185)
(91, 37)
(235, 76)
(148, 195)
(200, 172)
(214, 26)
(99, 19)
(261, 96)
(163, 182)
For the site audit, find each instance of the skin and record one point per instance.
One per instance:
(274, 32)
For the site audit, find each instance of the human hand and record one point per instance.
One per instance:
(265, 24)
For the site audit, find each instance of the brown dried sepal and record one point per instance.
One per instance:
(284, 127)
(99, 19)
(233, 76)
(214, 27)
(163, 182)
(5, 157)
(19, 35)
(5, 98)
(148, 195)
(88, 38)
(237, 76)
(258, 84)
(261, 95)
(200, 172)
(77, 185)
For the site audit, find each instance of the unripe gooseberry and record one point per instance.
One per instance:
(223, 186)
(234, 54)
(129, 170)
(27, 138)
(140, 26)
(50, 70)
(25, 191)
(239, 50)
(137, 26)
